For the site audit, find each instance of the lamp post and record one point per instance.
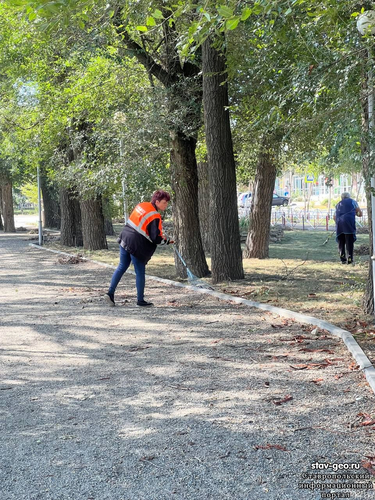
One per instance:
(122, 154)
(366, 26)
(40, 228)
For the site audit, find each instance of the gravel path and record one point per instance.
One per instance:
(194, 398)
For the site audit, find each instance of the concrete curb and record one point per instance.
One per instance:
(360, 357)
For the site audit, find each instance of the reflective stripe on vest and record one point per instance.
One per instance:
(141, 225)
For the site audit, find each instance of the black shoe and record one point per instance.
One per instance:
(343, 262)
(143, 303)
(110, 298)
(351, 261)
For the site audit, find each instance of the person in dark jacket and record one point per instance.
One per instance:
(346, 210)
(141, 234)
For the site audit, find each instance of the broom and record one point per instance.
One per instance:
(192, 279)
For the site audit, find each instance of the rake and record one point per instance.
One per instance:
(192, 279)
(329, 237)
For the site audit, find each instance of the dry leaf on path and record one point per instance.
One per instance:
(281, 401)
(269, 446)
(369, 464)
(317, 381)
(306, 349)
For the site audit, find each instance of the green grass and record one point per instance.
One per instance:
(308, 245)
(301, 274)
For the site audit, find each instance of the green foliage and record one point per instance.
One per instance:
(295, 70)
(30, 192)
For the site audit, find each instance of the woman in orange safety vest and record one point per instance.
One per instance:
(142, 232)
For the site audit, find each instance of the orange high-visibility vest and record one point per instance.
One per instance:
(141, 217)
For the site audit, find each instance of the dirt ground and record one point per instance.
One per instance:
(195, 398)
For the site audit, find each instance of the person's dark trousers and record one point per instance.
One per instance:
(346, 247)
(140, 271)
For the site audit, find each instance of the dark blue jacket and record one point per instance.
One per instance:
(345, 217)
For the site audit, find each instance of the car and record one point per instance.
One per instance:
(244, 199)
(279, 200)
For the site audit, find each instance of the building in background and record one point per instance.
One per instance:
(320, 188)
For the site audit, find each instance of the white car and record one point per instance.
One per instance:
(244, 199)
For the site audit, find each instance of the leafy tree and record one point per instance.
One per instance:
(158, 54)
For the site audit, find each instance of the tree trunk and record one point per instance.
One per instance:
(71, 226)
(93, 225)
(182, 79)
(204, 204)
(257, 242)
(108, 226)
(1, 217)
(226, 254)
(51, 205)
(185, 206)
(368, 298)
(7, 205)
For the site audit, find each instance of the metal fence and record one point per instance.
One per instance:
(296, 218)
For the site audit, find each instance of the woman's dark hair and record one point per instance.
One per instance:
(160, 195)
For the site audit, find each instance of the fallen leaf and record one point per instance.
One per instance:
(137, 348)
(281, 401)
(369, 465)
(306, 349)
(147, 458)
(311, 366)
(270, 447)
(353, 366)
(317, 380)
(367, 419)
(298, 338)
(367, 422)
(279, 356)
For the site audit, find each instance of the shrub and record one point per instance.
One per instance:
(244, 223)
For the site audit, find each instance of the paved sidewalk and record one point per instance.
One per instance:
(195, 398)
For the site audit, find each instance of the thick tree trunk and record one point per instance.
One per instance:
(93, 225)
(226, 254)
(7, 205)
(71, 226)
(182, 79)
(51, 205)
(204, 204)
(185, 206)
(257, 242)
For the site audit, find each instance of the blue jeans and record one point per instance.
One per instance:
(140, 271)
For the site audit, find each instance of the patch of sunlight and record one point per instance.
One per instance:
(135, 432)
